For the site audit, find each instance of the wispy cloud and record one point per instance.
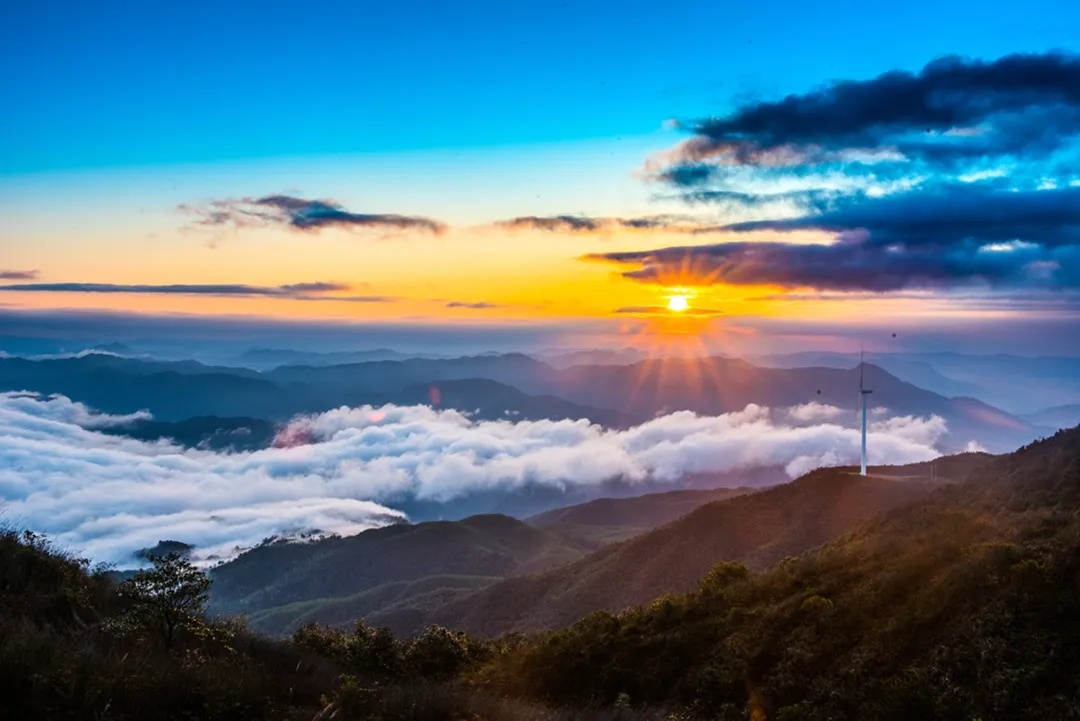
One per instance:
(19, 274)
(479, 305)
(301, 214)
(664, 310)
(295, 291)
(583, 224)
(315, 287)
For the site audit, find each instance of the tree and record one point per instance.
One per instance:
(170, 595)
(722, 576)
(438, 653)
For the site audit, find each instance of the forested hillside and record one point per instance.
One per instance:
(756, 529)
(962, 604)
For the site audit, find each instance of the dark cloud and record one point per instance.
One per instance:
(296, 291)
(948, 215)
(854, 265)
(481, 305)
(222, 336)
(19, 274)
(317, 287)
(938, 237)
(302, 214)
(560, 223)
(349, 298)
(732, 202)
(586, 224)
(960, 176)
(1068, 301)
(952, 111)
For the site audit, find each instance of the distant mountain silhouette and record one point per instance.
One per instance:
(622, 356)
(500, 386)
(120, 385)
(175, 391)
(1019, 384)
(270, 358)
(387, 376)
(490, 400)
(1066, 416)
(915, 371)
(719, 385)
(210, 432)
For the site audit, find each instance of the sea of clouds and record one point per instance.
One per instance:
(107, 496)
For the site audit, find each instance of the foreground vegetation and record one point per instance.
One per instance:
(962, 605)
(77, 644)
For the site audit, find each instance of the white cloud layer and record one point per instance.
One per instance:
(108, 496)
(814, 411)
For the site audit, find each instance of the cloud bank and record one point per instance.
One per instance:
(474, 305)
(954, 111)
(342, 471)
(960, 176)
(294, 291)
(588, 225)
(301, 214)
(665, 311)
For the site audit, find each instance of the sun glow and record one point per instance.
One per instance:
(678, 303)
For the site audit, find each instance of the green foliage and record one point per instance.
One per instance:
(440, 653)
(377, 657)
(722, 576)
(169, 596)
(382, 605)
(72, 648)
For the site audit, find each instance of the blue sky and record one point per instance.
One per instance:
(148, 145)
(107, 84)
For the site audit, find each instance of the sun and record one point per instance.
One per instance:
(678, 303)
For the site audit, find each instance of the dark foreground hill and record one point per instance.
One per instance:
(964, 605)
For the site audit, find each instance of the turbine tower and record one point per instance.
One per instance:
(863, 392)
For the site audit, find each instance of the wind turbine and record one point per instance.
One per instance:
(863, 393)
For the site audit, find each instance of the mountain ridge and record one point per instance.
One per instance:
(617, 396)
